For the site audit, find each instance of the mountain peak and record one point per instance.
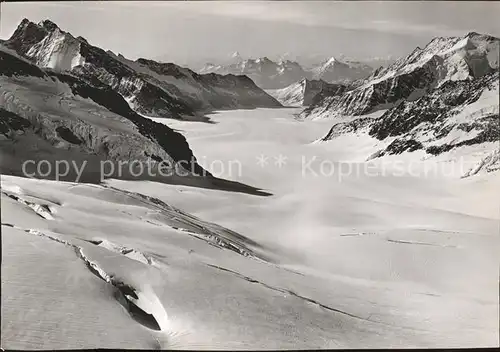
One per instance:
(265, 59)
(48, 25)
(24, 22)
(472, 34)
(331, 60)
(480, 36)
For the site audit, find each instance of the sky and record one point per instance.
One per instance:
(201, 31)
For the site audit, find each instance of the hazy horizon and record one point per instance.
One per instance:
(200, 31)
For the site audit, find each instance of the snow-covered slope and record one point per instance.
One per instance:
(302, 93)
(156, 89)
(411, 249)
(392, 261)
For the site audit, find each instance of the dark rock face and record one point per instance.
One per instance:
(353, 126)
(12, 123)
(488, 126)
(68, 135)
(314, 87)
(25, 36)
(13, 66)
(399, 146)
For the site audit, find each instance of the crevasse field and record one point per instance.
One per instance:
(342, 254)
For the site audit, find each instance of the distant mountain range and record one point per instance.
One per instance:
(269, 74)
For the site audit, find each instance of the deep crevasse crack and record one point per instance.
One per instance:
(144, 307)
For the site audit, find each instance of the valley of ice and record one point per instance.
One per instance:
(344, 260)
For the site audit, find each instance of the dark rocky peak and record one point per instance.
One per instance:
(82, 39)
(472, 34)
(48, 25)
(26, 35)
(24, 22)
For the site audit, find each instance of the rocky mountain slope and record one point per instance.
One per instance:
(443, 59)
(53, 117)
(66, 114)
(439, 100)
(152, 88)
(302, 93)
(268, 74)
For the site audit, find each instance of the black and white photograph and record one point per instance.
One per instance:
(249, 175)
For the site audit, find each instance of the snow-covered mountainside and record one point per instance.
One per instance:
(443, 59)
(335, 70)
(302, 93)
(441, 100)
(152, 88)
(460, 119)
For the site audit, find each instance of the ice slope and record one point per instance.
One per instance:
(202, 295)
(369, 262)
